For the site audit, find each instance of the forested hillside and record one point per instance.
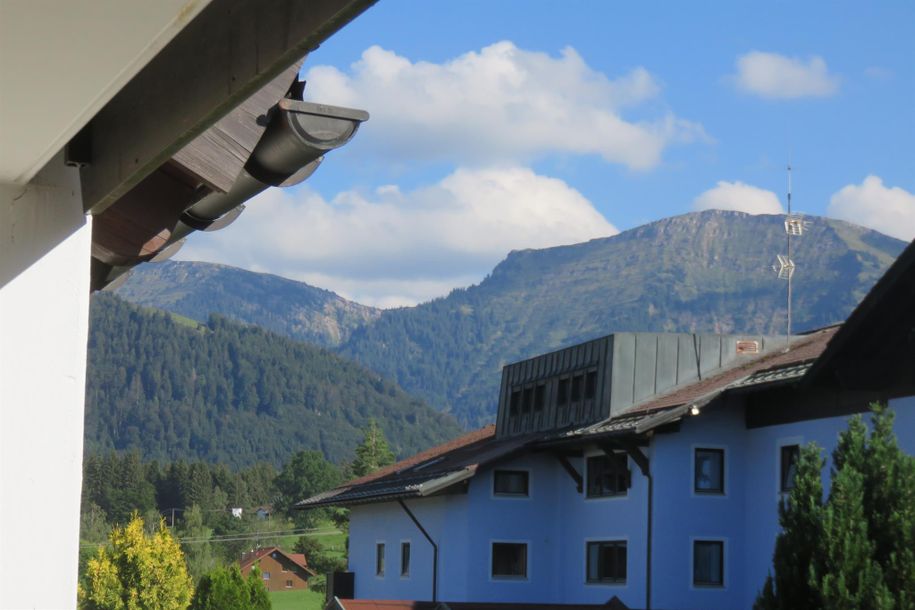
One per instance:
(705, 271)
(287, 307)
(234, 394)
(708, 271)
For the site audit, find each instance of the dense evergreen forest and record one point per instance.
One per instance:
(705, 271)
(234, 394)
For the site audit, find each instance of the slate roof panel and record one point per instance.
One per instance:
(458, 460)
(804, 350)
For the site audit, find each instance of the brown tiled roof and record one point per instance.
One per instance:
(425, 474)
(369, 604)
(249, 558)
(483, 434)
(456, 461)
(804, 349)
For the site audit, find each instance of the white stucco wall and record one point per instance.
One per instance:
(44, 309)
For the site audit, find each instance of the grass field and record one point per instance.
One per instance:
(296, 600)
(334, 543)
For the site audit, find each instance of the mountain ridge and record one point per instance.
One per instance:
(704, 271)
(294, 309)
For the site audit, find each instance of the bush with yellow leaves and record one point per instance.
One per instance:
(137, 571)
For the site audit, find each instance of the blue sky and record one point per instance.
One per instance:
(502, 125)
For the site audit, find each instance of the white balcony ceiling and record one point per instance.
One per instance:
(61, 62)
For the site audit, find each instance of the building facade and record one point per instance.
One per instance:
(279, 570)
(666, 499)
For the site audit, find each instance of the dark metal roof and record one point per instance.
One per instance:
(442, 468)
(434, 471)
(875, 348)
(788, 373)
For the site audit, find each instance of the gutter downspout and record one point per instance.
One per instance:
(649, 536)
(641, 460)
(434, 549)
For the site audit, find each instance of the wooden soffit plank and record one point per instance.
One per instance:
(225, 55)
(218, 155)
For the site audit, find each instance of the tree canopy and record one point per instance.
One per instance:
(138, 571)
(234, 394)
(226, 589)
(373, 452)
(856, 550)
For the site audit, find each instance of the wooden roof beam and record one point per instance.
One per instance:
(228, 52)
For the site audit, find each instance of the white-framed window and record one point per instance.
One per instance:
(787, 452)
(607, 475)
(788, 457)
(509, 560)
(265, 575)
(709, 470)
(708, 560)
(288, 584)
(379, 559)
(511, 483)
(405, 558)
(606, 561)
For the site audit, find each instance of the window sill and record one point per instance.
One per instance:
(707, 587)
(607, 497)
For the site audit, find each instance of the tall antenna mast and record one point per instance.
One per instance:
(790, 275)
(794, 226)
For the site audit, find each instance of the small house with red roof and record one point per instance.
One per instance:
(641, 468)
(280, 570)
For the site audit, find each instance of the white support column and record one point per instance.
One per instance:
(45, 244)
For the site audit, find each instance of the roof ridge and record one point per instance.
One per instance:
(433, 452)
(776, 359)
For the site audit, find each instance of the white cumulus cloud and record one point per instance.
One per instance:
(500, 103)
(888, 210)
(390, 247)
(740, 197)
(776, 76)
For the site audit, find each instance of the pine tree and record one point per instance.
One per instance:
(889, 503)
(200, 556)
(226, 589)
(860, 552)
(306, 474)
(844, 573)
(373, 453)
(801, 520)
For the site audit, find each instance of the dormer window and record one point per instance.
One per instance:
(562, 393)
(577, 382)
(540, 397)
(528, 401)
(515, 405)
(591, 385)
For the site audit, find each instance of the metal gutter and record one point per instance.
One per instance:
(422, 490)
(653, 421)
(435, 485)
(434, 549)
